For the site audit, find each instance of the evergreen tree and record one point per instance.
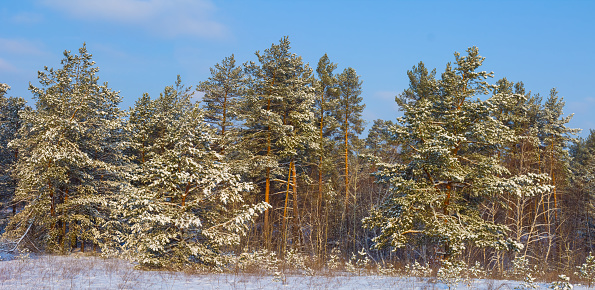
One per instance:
(453, 143)
(10, 122)
(379, 141)
(142, 129)
(178, 203)
(554, 160)
(422, 84)
(277, 116)
(582, 189)
(348, 114)
(518, 110)
(68, 157)
(554, 135)
(222, 90)
(326, 102)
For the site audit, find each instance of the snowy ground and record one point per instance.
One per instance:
(79, 272)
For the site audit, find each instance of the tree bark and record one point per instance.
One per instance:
(296, 213)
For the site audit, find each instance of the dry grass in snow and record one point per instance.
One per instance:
(86, 272)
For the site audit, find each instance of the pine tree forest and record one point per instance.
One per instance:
(269, 158)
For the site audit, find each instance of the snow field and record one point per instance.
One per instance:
(83, 272)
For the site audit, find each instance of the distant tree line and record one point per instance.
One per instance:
(273, 158)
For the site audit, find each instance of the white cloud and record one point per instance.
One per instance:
(7, 67)
(580, 106)
(112, 51)
(170, 18)
(27, 18)
(386, 95)
(19, 46)
(386, 99)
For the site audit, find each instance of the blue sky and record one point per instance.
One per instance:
(140, 46)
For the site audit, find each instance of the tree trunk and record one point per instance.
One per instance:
(296, 213)
(319, 200)
(266, 212)
(223, 123)
(185, 193)
(284, 245)
(267, 237)
(63, 238)
(346, 161)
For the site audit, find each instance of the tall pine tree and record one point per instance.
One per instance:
(222, 91)
(10, 122)
(453, 143)
(277, 116)
(178, 204)
(348, 114)
(69, 157)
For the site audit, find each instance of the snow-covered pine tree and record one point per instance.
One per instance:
(277, 115)
(68, 157)
(379, 141)
(325, 104)
(348, 114)
(453, 144)
(142, 129)
(177, 205)
(10, 122)
(221, 93)
(554, 136)
(519, 111)
(582, 187)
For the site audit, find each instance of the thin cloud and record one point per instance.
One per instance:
(386, 95)
(387, 99)
(112, 51)
(27, 18)
(170, 18)
(19, 46)
(7, 67)
(581, 106)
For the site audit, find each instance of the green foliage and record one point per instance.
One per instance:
(178, 206)
(380, 143)
(327, 92)
(69, 155)
(276, 109)
(563, 283)
(587, 269)
(450, 273)
(10, 122)
(221, 93)
(582, 182)
(348, 112)
(452, 143)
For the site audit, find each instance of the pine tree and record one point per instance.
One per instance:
(379, 141)
(142, 129)
(222, 90)
(68, 157)
(582, 189)
(277, 116)
(178, 203)
(422, 84)
(554, 160)
(348, 114)
(554, 135)
(10, 122)
(326, 102)
(518, 110)
(453, 143)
